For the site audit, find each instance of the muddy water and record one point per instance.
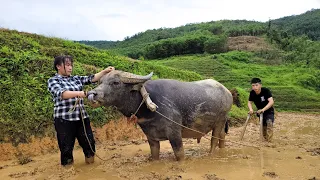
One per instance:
(294, 154)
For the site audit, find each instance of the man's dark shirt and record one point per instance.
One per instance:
(261, 100)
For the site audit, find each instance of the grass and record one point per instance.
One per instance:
(283, 80)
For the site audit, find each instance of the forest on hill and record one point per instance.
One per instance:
(294, 37)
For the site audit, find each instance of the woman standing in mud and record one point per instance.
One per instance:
(66, 90)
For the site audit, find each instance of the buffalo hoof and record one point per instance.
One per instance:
(179, 155)
(222, 144)
(153, 158)
(180, 158)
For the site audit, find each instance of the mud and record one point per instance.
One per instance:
(293, 154)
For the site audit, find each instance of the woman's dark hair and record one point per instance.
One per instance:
(61, 59)
(255, 80)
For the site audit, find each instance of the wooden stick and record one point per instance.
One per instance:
(261, 127)
(244, 128)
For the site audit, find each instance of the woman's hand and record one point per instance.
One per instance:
(101, 73)
(108, 69)
(82, 94)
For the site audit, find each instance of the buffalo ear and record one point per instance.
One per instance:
(136, 87)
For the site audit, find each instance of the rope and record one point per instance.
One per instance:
(204, 133)
(143, 100)
(147, 94)
(133, 116)
(77, 103)
(84, 127)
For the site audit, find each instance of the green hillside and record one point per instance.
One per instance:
(26, 63)
(176, 41)
(305, 24)
(150, 36)
(294, 88)
(180, 40)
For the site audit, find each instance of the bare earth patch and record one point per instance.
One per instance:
(248, 43)
(126, 155)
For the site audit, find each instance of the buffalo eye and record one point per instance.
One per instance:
(115, 83)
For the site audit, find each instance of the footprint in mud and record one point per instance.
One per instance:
(176, 169)
(2, 167)
(138, 142)
(314, 152)
(193, 152)
(110, 148)
(65, 173)
(155, 175)
(211, 177)
(115, 155)
(298, 157)
(25, 173)
(18, 175)
(270, 174)
(314, 178)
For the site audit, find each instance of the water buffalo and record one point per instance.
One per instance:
(200, 105)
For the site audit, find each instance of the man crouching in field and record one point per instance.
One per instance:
(263, 100)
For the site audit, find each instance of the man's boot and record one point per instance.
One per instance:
(69, 164)
(269, 130)
(89, 160)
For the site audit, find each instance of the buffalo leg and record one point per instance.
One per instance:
(177, 146)
(155, 149)
(222, 142)
(218, 132)
(214, 140)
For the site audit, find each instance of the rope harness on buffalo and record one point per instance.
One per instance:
(204, 134)
(153, 107)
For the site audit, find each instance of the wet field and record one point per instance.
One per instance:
(294, 154)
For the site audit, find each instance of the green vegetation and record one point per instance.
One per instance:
(26, 63)
(169, 40)
(304, 24)
(189, 39)
(239, 108)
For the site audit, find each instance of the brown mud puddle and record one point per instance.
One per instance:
(294, 154)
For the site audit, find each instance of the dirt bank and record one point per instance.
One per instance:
(294, 154)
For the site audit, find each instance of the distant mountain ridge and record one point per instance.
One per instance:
(307, 23)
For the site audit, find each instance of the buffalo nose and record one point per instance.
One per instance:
(91, 95)
(92, 92)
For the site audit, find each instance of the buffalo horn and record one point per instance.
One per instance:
(133, 78)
